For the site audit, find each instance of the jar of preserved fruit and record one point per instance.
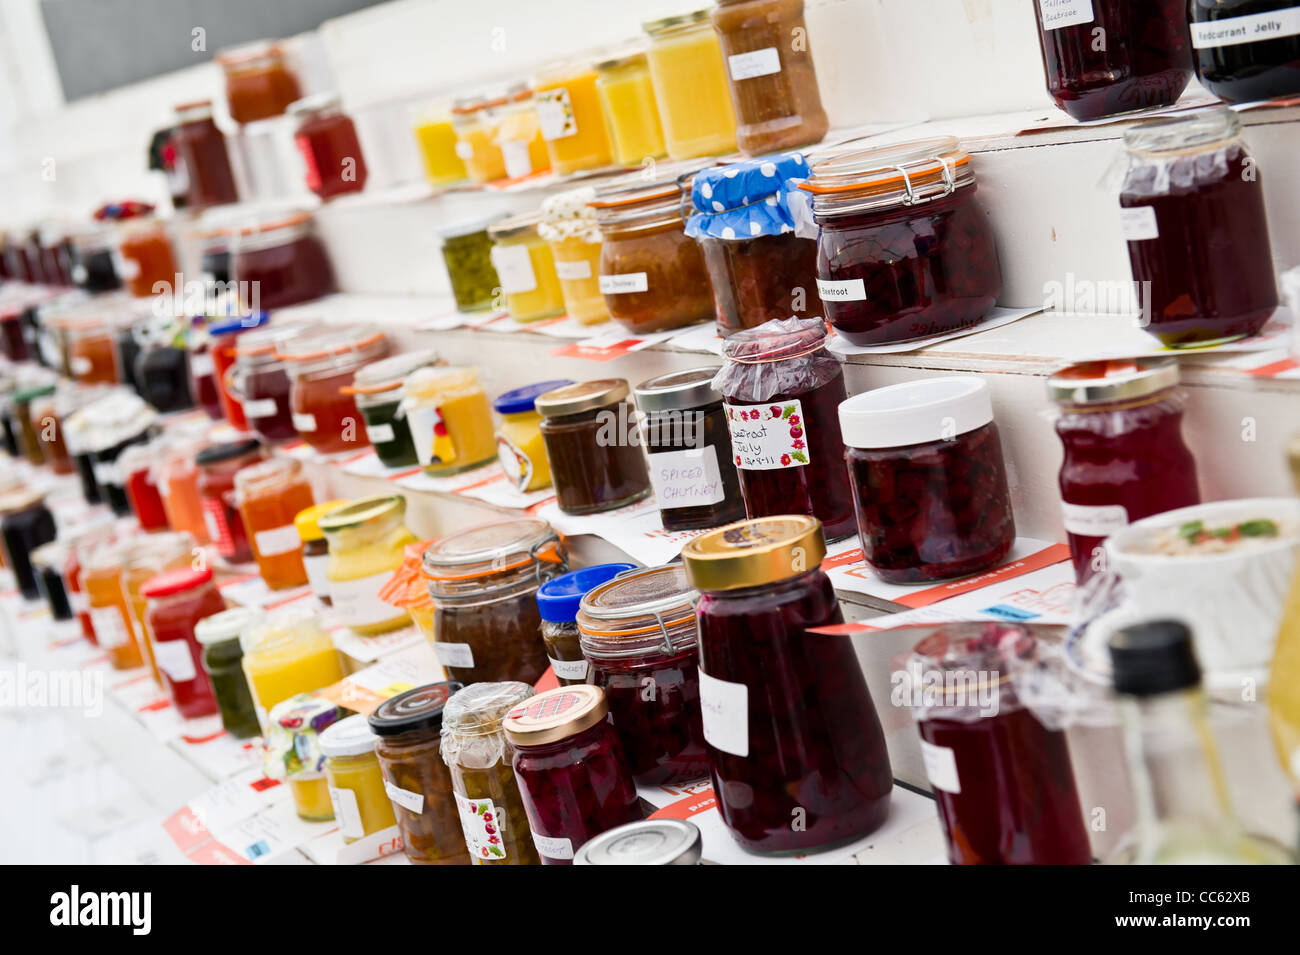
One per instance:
(315, 548)
(593, 446)
(408, 589)
(628, 96)
(356, 784)
(929, 483)
(525, 267)
(282, 262)
(366, 540)
(1144, 61)
(378, 390)
(259, 83)
(25, 524)
(13, 343)
(558, 601)
(450, 419)
(570, 768)
(162, 372)
(771, 755)
(270, 494)
(484, 580)
(293, 752)
(214, 256)
(519, 438)
(106, 428)
(222, 658)
(1247, 50)
(978, 760)
(782, 392)
(202, 148)
(479, 757)
(327, 139)
(48, 562)
(29, 441)
(80, 546)
(1125, 459)
(178, 483)
(44, 410)
(92, 356)
(217, 466)
(1192, 207)
(93, 265)
(286, 653)
(467, 254)
(320, 365)
(145, 256)
(225, 342)
(176, 600)
(143, 560)
(648, 842)
(137, 465)
(639, 631)
(417, 781)
(652, 273)
(436, 138)
(690, 83)
(259, 383)
(568, 224)
(476, 140)
(573, 123)
(685, 432)
(202, 371)
(905, 251)
(519, 134)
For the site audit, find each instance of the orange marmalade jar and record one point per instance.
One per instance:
(270, 495)
(147, 257)
(101, 579)
(259, 84)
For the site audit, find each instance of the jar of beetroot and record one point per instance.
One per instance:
(929, 482)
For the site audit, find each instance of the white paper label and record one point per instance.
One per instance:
(848, 290)
(621, 284)
(380, 433)
(201, 365)
(725, 707)
(174, 658)
(518, 161)
(464, 150)
(357, 603)
(1095, 520)
(768, 437)
(423, 422)
(110, 630)
(574, 271)
(304, 422)
(940, 767)
(1139, 223)
(259, 407)
(107, 472)
(1065, 13)
(347, 813)
(688, 478)
(552, 847)
(1252, 28)
(316, 579)
(514, 268)
(412, 802)
(484, 828)
(457, 655)
(278, 540)
(569, 670)
(555, 114)
(745, 66)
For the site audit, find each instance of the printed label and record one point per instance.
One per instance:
(484, 828)
(214, 516)
(278, 540)
(518, 161)
(1094, 520)
(621, 284)
(847, 290)
(357, 603)
(551, 847)
(688, 478)
(304, 422)
(201, 365)
(347, 813)
(110, 629)
(555, 114)
(745, 66)
(380, 433)
(316, 579)
(569, 670)
(725, 707)
(429, 435)
(940, 767)
(1251, 28)
(514, 268)
(574, 271)
(1139, 223)
(259, 407)
(768, 437)
(411, 802)
(174, 658)
(1065, 13)
(517, 465)
(457, 655)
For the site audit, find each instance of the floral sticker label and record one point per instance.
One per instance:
(484, 828)
(768, 437)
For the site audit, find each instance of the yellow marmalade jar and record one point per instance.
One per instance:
(356, 785)
(520, 447)
(525, 268)
(436, 139)
(450, 419)
(568, 223)
(573, 121)
(690, 82)
(628, 96)
(285, 654)
(366, 539)
(476, 141)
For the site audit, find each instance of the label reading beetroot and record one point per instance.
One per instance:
(768, 437)
(484, 828)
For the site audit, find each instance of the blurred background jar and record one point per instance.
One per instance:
(573, 122)
(476, 140)
(519, 134)
(202, 147)
(628, 97)
(568, 224)
(327, 140)
(281, 261)
(435, 136)
(467, 254)
(525, 268)
(259, 82)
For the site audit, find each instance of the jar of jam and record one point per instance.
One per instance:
(519, 438)
(568, 224)
(178, 484)
(92, 354)
(628, 96)
(479, 756)
(378, 390)
(45, 416)
(558, 601)
(640, 638)
(315, 548)
(214, 257)
(418, 782)
(162, 373)
(1246, 50)
(282, 262)
(270, 494)
(476, 140)
(905, 251)
(1105, 57)
(80, 546)
(286, 653)
(202, 148)
(217, 466)
(176, 601)
(1125, 458)
(356, 784)
(684, 429)
(525, 268)
(366, 541)
(782, 392)
(450, 419)
(436, 139)
(648, 842)
(467, 254)
(593, 446)
(929, 483)
(691, 89)
(519, 134)
(259, 83)
(138, 467)
(573, 123)
(978, 757)
(28, 439)
(202, 371)
(320, 364)
(259, 383)
(572, 775)
(145, 257)
(773, 756)
(13, 342)
(105, 428)
(225, 339)
(143, 560)
(25, 524)
(327, 139)
(128, 330)
(293, 752)
(484, 580)
(1192, 208)
(48, 562)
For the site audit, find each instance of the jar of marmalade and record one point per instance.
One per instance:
(366, 543)
(259, 83)
(321, 365)
(270, 494)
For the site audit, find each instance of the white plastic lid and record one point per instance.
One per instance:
(915, 412)
(226, 625)
(349, 737)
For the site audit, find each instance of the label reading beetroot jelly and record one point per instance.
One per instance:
(768, 437)
(484, 827)
(1065, 13)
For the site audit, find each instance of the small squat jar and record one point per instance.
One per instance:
(467, 255)
(378, 390)
(366, 543)
(525, 266)
(286, 653)
(450, 419)
(327, 140)
(222, 657)
(354, 779)
(270, 494)
(315, 548)
(293, 752)
(568, 224)
(321, 365)
(558, 601)
(176, 601)
(25, 524)
(519, 437)
(259, 83)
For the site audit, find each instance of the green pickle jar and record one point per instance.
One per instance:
(479, 757)
(467, 252)
(379, 389)
(222, 653)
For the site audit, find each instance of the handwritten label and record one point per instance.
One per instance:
(569, 670)
(458, 655)
(514, 268)
(941, 767)
(1095, 520)
(725, 708)
(1065, 13)
(1139, 223)
(688, 478)
(746, 66)
(768, 437)
(622, 284)
(411, 802)
(847, 290)
(552, 847)
(574, 271)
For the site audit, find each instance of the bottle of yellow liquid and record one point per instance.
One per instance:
(1284, 677)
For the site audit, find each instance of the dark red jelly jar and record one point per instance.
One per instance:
(175, 601)
(1125, 458)
(259, 381)
(280, 261)
(202, 147)
(571, 771)
(1002, 779)
(1192, 208)
(792, 733)
(216, 484)
(1103, 57)
(1247, 50)
(320, 364)
(905, 250)
(137, 465)
(331, 152)
(782, 392)
(929, 482)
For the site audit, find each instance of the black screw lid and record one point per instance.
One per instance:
(225, 452)
(1148, 659)
(414, 710)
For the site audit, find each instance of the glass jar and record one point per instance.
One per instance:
(178, 483)
(214, 257)
(525, 268)
(902, 257)
(48, 562)
(259, 83)
(761, 258)
(315, 548)
(558, 601)
(684, 429)
(108, 427)
(378, 390)
(450, 420)
(162, 373)
(259, 384)
(203, 373)
(81, 546)
(356, 784)
(270, 494)
(1192, 207)
(782, 392)
(202, 148)
(45, 413)
(568, 225)
(1143, 61)
(408, 589)
(929, 483)
(772, 756)
(282, 262)
(225, 343)
(570, 769)
(690, 83)
(627, 95)
(93, 265)
(436, 139)
(479, 756)
(320, 365)
(467, 254)
(1120, 425)
(572, 120)
(137, 465)
(979, 759)
(293, 752)
(476, 140)
(652, 273)
(640, 638)
(1246, 50)
(519, 134)
(366, 539)
(145, 257)
(176, 601)
(773, 82)
(143, 559)
(25, 524)
(519, 437)
(92, 357)
(327, 140)
(27, 427)
(13, 343)
(484, 581)
(648, 842)
(418, 782)
(593, 446)
(286, 653)
(217, 466)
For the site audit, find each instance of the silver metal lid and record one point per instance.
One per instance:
(649, 842)
(678, 390)
(1103, 382)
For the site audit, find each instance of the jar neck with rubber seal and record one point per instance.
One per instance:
(639, 613)
(492, 562)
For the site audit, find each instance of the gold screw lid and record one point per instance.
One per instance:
(555, 715)
(359, 512)
(587, 396)
(754, 553)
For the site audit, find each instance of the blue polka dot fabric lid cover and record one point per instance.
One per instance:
(750, 198)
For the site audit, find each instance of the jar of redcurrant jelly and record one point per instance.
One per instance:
(1103, 57)
(217, 466)
(259, 381)
(558, 601)
(981, 745)
(1125, 459)
(321, 365)
(929, 483)
(571, 770)
(176, 601)
(1192, 209)
(1247, 50)
(791, 729)
(327, 139)
(782, 391)
(905, 250)
(281, 261)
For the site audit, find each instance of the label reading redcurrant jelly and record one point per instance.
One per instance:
(940, 767)
(484, 827)
(1251, 28)
(768, 437)
(1065, 13)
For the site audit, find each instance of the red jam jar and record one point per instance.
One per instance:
(1192, 209)
(319, 365)
(281, 262)
(905, 250)
(202, 147)
(203, 372)
(137, 465)
(176, 600)
(929, 482)
(259, 381)
(791, 730)
(639, 636)
(570, 768)
(331, 152)
(781, 392)
(216, 484)
(1104, 57)
(1002, 780)
(1120, 425)
(223, 347)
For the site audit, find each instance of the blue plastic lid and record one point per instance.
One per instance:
(521, 399)
(559, 598)
(749, 198)
(240, 324)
